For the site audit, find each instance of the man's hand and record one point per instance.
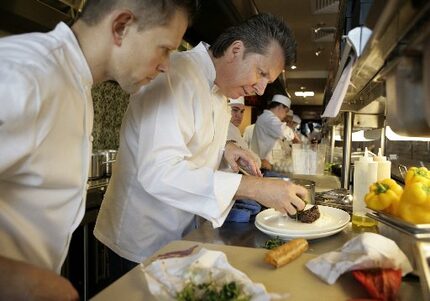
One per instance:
(22, 281)
(281, 195)
(238, 157)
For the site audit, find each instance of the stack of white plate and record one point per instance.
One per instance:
(276, 224)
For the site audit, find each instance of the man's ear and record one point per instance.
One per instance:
(120, 23)
(235, 50)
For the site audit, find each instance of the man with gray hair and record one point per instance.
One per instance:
(171, 147)
(46, 122)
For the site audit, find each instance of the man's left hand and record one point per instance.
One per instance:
(238, 157)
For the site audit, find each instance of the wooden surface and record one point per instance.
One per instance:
(293, 278)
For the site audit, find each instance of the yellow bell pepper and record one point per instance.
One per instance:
(417, 174)
(415, 203)
(384, 196)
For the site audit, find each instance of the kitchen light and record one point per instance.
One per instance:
(304, 93)
(318, 51)
(293, 67)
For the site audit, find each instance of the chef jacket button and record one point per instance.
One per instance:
(91, 138)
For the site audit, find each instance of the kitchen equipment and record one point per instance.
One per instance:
(96, 169)
(422, 257)
(110, 158)
(405, 234)
(308, 159)
(309, 185)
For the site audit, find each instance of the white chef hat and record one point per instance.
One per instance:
(296, 119)
(290, 113)
(237, 101)
(282, 99)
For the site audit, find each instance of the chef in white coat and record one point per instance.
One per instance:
(270, 130)
(46, 120)
(174, 135)
(237, 107)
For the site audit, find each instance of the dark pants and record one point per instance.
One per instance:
(117, 266)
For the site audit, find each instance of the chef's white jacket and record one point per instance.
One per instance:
(267, 131)
(247, 134)
(234, 134)
(45, 125)
(172, 141)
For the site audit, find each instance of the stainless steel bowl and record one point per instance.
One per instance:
(97, 167)
(309, 185)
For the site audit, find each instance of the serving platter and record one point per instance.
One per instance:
(276, 222)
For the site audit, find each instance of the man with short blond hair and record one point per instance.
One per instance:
(46, 121)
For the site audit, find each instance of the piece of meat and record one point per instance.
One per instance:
(307, 216)
(310, 215)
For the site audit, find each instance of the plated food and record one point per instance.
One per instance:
(307, 216)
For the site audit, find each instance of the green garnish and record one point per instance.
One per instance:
(273, 243)
(212, 292)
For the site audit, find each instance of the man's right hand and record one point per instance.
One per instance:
(276, 193)
(22, 281)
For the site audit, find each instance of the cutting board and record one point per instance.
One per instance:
(293, 278)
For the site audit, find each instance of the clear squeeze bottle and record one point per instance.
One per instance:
(365, 174)
(384, 166)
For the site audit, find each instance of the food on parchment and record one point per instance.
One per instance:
(287, 252)
(307, 216)
(212, 291)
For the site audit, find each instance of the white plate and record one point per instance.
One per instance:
(330, 219)
(304, 235)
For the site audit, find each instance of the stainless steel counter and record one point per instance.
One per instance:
(247, 235)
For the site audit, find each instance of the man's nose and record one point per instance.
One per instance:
(260, 86)
(164, 66)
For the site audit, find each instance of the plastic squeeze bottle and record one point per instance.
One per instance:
(365, 174)
(384, 166)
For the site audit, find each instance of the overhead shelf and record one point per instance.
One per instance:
(400, 21)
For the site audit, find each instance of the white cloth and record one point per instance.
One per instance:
(366, 251)
(46, 120)
(172, 141)
(267, 131)
(234, 134)
(167, 277)
(247, 134)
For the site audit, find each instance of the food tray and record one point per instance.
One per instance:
(401, 223)
(420, 234)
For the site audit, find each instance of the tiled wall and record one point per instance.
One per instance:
(110, 103)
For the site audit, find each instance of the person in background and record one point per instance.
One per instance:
(46, 121)
(242, 210)
(237, 109)
(294, 124)
(270, 130)
(247, 134)
(173, 138)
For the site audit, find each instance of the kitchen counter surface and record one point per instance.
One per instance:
(232, 237)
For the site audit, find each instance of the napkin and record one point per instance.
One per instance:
(167, 277)
(366, 251)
